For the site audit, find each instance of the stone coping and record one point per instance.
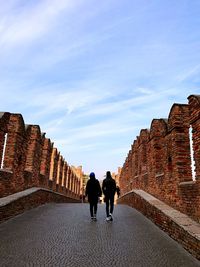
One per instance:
(183, 220)
(11, 198)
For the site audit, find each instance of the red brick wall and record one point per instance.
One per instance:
(4, 118)
(169, 222)
(30, 159)
(159, 161)
(47, 148)
(15, 153)
(34, 153)
(194, 103)
(60, 172)
(31, 201)
(54, 167)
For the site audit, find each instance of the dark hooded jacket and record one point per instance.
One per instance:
(93, 189)
(109, 186)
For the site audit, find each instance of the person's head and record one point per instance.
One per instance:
(92, 175)
(108, 174)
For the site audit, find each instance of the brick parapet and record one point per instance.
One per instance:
(19, 202)
(47, 148)
(34, 153)
(60, 172)
(6, 184)
(178, 225)
(15, 150)
(4, 118)
(194, 102)
(159, 161)
(30, 159)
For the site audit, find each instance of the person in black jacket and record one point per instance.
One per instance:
(93, 192)
(109, 189)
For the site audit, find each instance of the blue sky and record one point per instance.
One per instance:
(93, 73)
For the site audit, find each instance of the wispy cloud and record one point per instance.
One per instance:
(93, 73)
(189, 73)
(28, 22)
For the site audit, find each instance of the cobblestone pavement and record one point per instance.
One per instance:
(63, 235)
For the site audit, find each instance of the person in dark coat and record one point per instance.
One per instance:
(109, 189)
(93, 192)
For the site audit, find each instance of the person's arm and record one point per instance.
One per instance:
(100, 191)
(103, 187)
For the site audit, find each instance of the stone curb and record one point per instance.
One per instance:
(17, 203)
(178, 225)
(179, 218)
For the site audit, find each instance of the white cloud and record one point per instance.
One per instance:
(27, 23)
(189, 73)
(139, 98)
(92, 75)
(92, 131)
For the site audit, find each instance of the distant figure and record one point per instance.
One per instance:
(109, 189)
(118, 191)
(82, 198)
(93, 192)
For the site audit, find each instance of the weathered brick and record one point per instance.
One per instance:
(159, 160)
(30, 160)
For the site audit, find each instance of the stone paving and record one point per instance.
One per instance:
(63, 235)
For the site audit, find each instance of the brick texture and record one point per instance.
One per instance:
(159, 161)
(179, 226)
(33, 200)
(31, 160)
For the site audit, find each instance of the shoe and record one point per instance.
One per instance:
(92, 218)
(108, 218)
(111, 217)
(95, 218)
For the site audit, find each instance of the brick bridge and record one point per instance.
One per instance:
(156, 179)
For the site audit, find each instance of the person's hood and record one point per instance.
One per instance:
(92, 176)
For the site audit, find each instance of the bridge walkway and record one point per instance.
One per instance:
(63, 235)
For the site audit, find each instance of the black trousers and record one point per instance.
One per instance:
(93, 208)
(109, 204)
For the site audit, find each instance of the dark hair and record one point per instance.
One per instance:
(108, 174)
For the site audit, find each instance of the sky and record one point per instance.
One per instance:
(94, 73)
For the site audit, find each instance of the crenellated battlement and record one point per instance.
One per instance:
(29, 159)
(159, 161)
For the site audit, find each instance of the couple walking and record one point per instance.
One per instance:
(93, 192)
